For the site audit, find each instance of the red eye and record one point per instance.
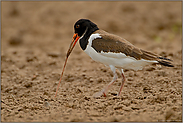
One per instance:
(77, 26)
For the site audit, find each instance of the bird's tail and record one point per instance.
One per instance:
(152, 56)
(165, 61)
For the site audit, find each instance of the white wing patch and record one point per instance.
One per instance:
(113, 55)
(92, 37)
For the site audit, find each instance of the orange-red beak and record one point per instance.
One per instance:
(73, 43)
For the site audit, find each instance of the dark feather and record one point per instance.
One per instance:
(165, 63)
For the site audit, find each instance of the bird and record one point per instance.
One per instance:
(113, 51)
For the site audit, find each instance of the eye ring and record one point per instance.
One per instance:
(77, 26)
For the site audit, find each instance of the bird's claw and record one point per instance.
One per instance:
(100, 93)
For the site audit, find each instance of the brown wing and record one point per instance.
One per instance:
(116, 44)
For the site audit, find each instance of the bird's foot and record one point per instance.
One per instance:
(100, 93)
(119, 93)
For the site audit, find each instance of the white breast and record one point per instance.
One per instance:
(116, 59)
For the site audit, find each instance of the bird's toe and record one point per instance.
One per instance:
(100, 93)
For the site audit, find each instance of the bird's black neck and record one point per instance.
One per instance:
(84, 40)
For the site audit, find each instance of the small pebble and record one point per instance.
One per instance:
(46, 104)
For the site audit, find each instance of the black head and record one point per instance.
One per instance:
(84, 25)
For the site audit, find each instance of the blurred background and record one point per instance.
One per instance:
(34, 42)
(45, 23)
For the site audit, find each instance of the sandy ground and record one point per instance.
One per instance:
(35, 39)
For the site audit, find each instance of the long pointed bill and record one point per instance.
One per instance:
(73, 43)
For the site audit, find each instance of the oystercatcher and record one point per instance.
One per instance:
(111, 50)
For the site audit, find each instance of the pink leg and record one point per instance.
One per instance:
(123, 82)
(104, 91)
